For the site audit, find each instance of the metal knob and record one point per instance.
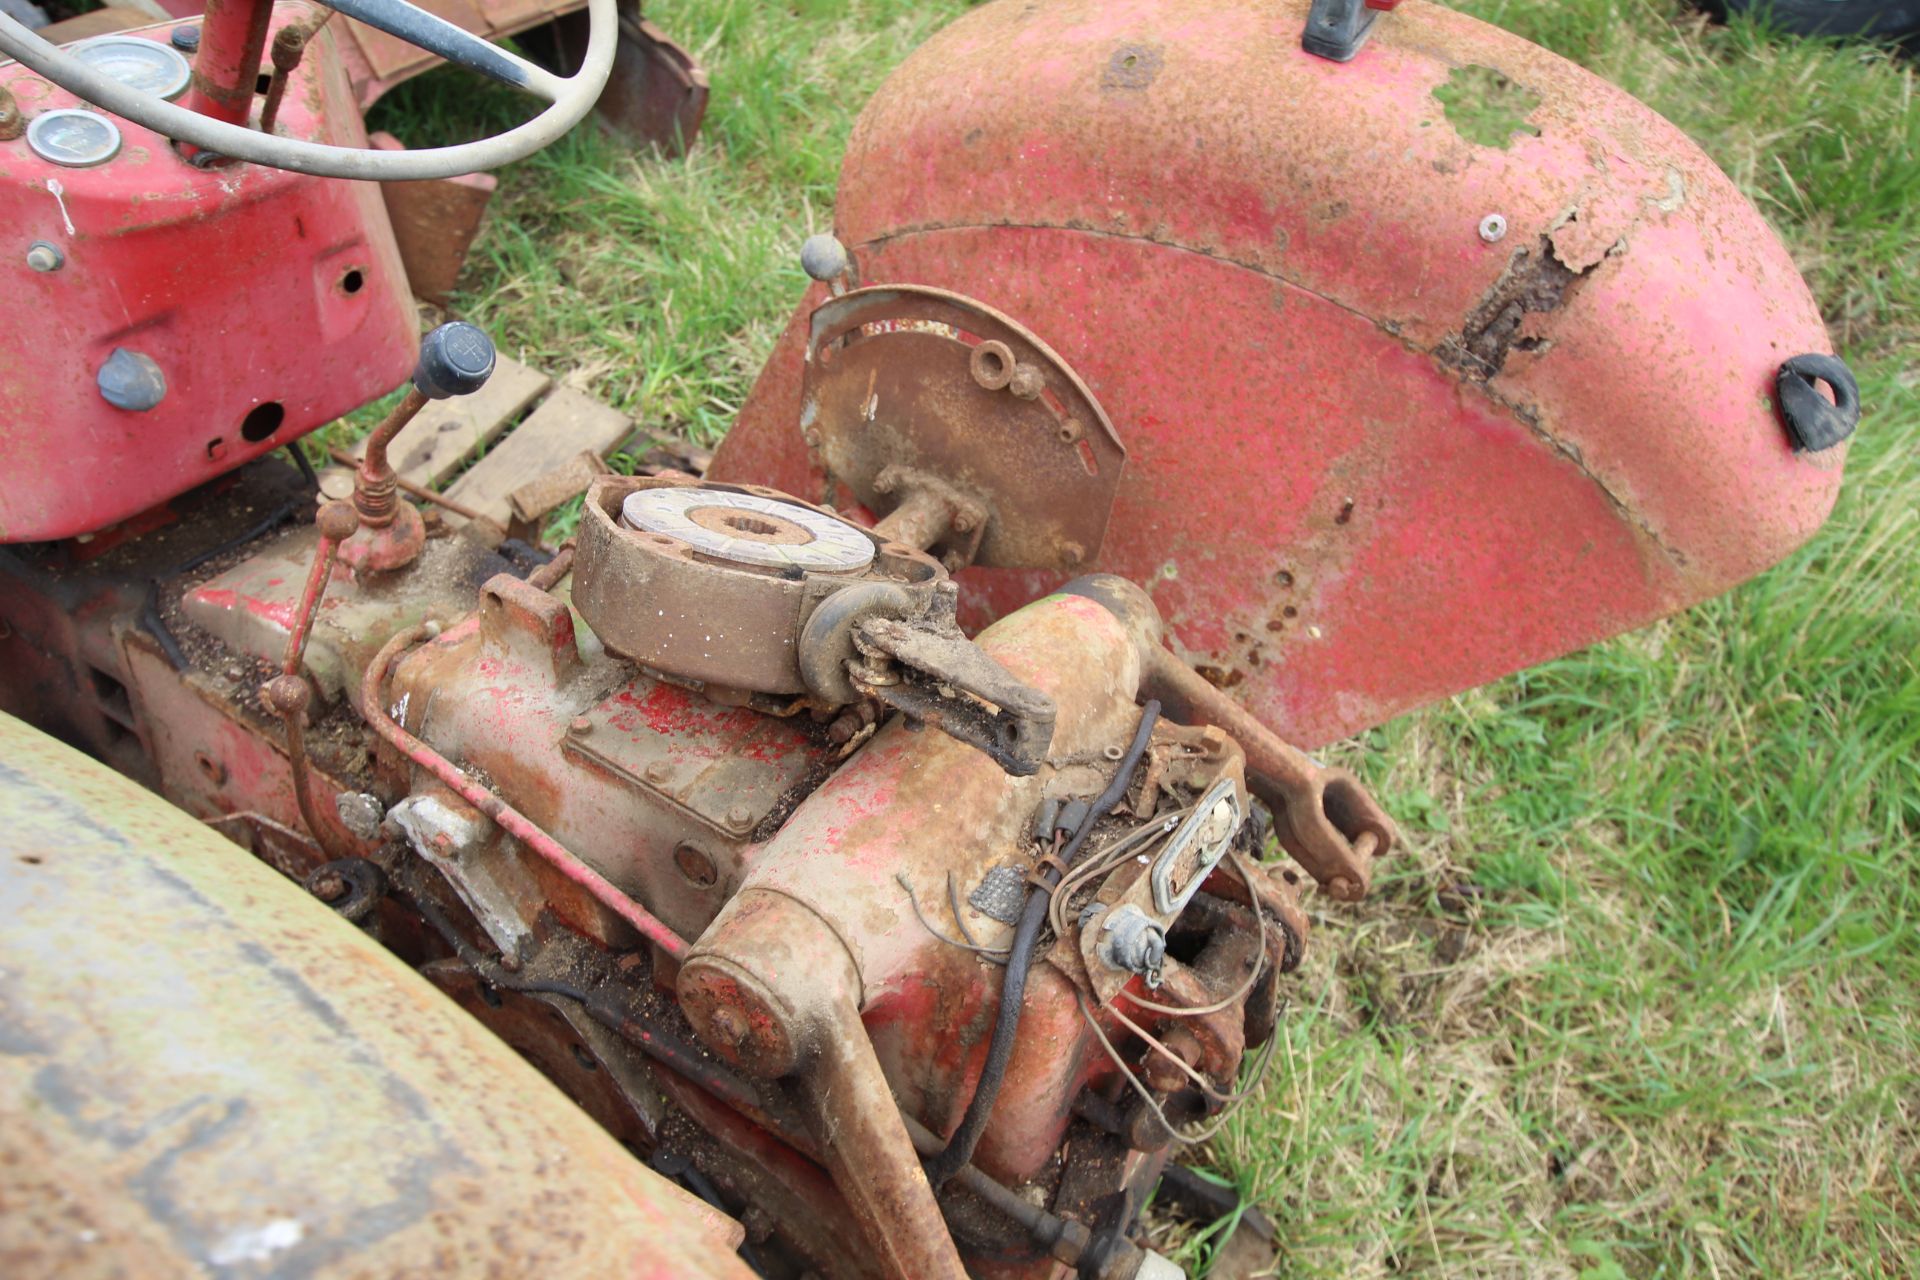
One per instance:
(456, 359)
(823, 257)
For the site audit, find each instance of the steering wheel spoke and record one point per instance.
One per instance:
(457, 45)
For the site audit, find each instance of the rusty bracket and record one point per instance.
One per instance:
(929, 670)
(1323, 816)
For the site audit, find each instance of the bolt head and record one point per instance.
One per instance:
(1027, 381)
(659, 771)
(728, 1027)
(739, 817)
(42, 256)
(580, 725)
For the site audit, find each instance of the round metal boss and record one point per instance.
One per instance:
(748, 529)
(73, 137)
(145, 65)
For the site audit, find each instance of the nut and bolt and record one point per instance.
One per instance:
(330, 887)
(658, 771)
(727, 1028)
(884, 482)
(964, 521)
(1071, 431)
(1493, 227)
(1027, 381)
(580, 726)
(43, 256)
(991, 364)
(1072, 553)
(739, 817)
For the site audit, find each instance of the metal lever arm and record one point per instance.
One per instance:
(934, 673)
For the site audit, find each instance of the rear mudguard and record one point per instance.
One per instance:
(1378, 451)
(205, 1072)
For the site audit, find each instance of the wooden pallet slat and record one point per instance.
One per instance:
(445, 434)
(567, 423)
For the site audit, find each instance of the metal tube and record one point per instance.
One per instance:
(289, 45)
(233, 35)
(504, 815)
(376, 487)
(921, 520)
(407, 486)
(548, 575)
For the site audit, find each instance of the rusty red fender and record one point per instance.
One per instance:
(1410, 399)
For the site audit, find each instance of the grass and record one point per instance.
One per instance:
(1640, 1001)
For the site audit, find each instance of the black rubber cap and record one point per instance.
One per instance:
(456, 359)
(1814, 423)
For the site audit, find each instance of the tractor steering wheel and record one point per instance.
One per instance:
(570, 98)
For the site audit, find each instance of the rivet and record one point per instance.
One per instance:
(42, 256)
(1493, 227)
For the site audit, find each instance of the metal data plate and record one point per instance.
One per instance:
(892, 381)
(1196, 848)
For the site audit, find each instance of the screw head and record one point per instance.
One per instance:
(739, 817)
(43, 256)
(1493, 227)
(580, 725)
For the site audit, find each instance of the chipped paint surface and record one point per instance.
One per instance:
(1267, 268)
(222, 276)
(203, 1068)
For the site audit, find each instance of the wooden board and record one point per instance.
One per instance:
(448, 433)
(566, 424)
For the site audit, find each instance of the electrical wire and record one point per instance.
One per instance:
(1013, 987)
(988, 953)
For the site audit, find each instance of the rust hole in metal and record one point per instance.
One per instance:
(32, 859)
(1534, 281)
(1346, 512)
(1485, 107)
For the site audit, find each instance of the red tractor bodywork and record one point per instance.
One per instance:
(272, 303)
(1374, 457)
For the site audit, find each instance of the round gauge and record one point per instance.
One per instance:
(138, 64)
(73, 137)
(748, 529)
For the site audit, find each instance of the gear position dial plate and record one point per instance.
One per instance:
(745, 528)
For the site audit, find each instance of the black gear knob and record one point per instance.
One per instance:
(456, 359)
